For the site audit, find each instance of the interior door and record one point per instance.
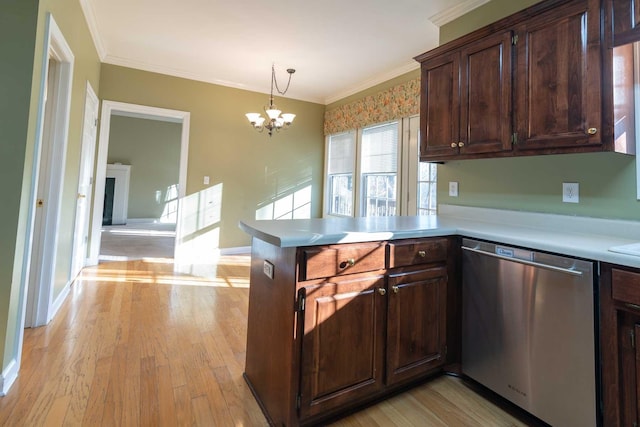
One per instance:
(85, 182)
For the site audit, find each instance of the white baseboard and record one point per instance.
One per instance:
(240, 250)
(8, 377)
(143, 221)
(59, 300)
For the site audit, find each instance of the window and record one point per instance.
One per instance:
(340, 166)
(427, 175)
(375, 172)
(379, 170)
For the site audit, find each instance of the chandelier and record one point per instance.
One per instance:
(275, 120)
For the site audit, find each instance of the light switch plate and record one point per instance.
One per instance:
(571, 192)
(206, 180)
(453, 189)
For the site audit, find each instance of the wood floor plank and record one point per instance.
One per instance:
(135, 344)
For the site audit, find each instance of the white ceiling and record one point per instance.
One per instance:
(338, 47)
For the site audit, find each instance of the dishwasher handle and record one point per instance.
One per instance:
(523, 261)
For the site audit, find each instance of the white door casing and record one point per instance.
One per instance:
(85, 181)
(122, 175)
(51, 151)
(141, 111)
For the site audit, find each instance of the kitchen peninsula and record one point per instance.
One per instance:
(343, 311)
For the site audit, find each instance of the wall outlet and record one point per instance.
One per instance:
(453, 189)
(570, 192)
(268, 269)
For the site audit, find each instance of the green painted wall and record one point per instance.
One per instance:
(607, 180)
(152, 148)
(18, 23)
(248, 170)
(22, 32)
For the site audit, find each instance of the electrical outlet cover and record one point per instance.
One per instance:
(453, 189)
(571, 192)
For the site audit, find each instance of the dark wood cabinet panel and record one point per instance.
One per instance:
(440, 106)
(626, 21)
(558, 99)
(343, 343)
(620, 352)
(327, 261)
(413, 252)
(416, 323)
(485, 110)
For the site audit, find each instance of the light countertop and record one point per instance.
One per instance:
(589, 238)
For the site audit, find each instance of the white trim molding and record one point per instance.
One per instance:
(8, 377)
(454, 12)
(92, 23)
(110, 108)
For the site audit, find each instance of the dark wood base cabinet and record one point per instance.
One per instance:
(620, 330)
(343, 325)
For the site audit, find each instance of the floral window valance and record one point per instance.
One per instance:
(394, 103)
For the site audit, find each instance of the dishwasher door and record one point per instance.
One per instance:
(528, 330)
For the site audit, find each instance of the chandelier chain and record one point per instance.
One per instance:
(274, 80)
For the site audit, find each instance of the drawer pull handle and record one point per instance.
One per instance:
(454, 145)
(633, 306)
(460, 144)
(350, 262)
(382, 291)
(592, 131)
(422, 254)
(395, 289)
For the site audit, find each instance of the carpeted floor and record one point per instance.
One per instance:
(137, 241)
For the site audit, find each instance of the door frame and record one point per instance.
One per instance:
(49, 172)
(87, 156)
(110, 108)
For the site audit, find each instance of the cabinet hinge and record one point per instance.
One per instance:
(298, 401)
(514, 40)
(514, 138)
(632, 337)
(301, 303)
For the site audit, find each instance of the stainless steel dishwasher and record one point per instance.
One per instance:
(528, 330)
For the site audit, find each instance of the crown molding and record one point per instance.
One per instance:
(92, 23)
(454, 12)
(380, 78)
(201, 77)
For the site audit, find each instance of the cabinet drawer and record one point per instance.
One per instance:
(419, 251)
(625, 286)
(326, 261)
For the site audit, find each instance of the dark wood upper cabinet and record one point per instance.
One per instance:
(485, 81)
(464, 91)
(440, 107)
(558, 101)
(625, 16)
(540, 81)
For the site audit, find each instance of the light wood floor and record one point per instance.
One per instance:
(136, 345)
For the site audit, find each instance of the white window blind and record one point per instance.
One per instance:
(380, 149)
(341, 153)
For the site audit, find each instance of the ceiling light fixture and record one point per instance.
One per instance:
(275, 120)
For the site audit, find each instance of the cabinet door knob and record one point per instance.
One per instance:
(422, 254)
(592, 131)
(460, 144)
(382, 291)
(395, 289)
(350, 262)
(454, 145)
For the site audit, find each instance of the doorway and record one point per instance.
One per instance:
(49, 169)
(111, 109)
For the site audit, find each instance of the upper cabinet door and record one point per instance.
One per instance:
(558, 89)
(485, 87)
(440, 106)
(626, 21)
